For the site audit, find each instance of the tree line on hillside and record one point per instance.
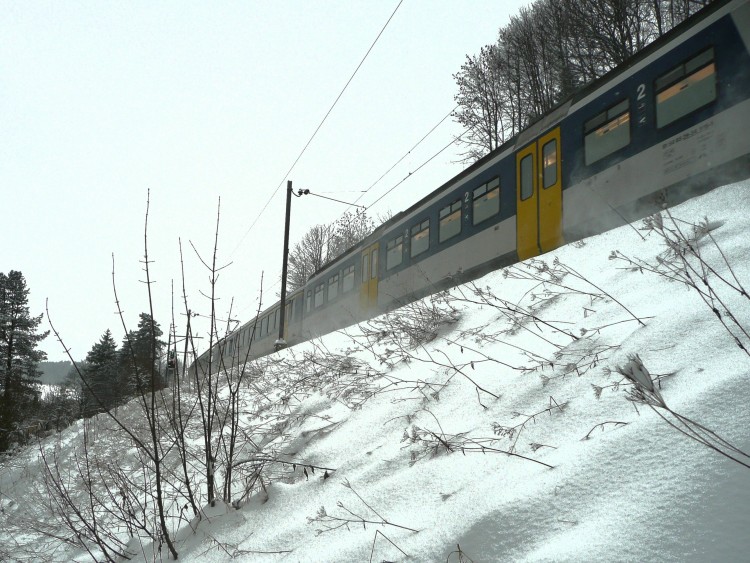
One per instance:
(545, 53)
(107, 378)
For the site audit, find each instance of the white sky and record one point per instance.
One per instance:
(100, 102)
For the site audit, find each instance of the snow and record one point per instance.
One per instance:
(624, 485)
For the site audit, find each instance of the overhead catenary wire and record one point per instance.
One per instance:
(302, 152)
(417, 169)
(384, 174)
(336, 200)
(407, 153)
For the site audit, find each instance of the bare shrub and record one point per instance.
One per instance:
(693, 257)
(645, 392)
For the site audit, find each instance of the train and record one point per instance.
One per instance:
(671, 122)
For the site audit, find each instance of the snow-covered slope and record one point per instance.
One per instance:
(411, 424)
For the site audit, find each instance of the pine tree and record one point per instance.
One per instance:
(140, 357)
(18, 355)
(101, 374)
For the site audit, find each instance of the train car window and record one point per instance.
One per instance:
(309, 300)
(549, 164)
(607, 132)
(319, 296)
(486, 201)
(333, 287)
(264, 327)
(394, 253)
(686, 88)
(365, 268)
(527, 177)
(348, 279)
(420, 238)
(374, 265)
(450, 221)
(276, 319)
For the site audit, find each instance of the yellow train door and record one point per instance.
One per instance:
(539, 196)
(368, 289)
(527, 206)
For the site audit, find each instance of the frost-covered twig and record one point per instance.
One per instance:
(460, 554)
(601, 425)
(646, 393)
(430, 443)
(372, 550)
(685, 261)
(331, 522)
(514, 432)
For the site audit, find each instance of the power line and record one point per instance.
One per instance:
(317, 129)
(364, 192)
(407, 153)
(417, 169)
(336, 200)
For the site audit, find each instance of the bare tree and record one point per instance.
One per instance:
(348, 230)
(323, 243)
(481, 99)
(149, 446)
(308, 255)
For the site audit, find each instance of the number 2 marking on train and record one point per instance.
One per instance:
(641, 91)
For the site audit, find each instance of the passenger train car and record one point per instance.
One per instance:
(672, 121)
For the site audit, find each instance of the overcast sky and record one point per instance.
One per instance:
(195, 101)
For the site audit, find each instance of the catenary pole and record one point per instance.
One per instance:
(280, 342)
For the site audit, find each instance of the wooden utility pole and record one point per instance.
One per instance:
(280, 342)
